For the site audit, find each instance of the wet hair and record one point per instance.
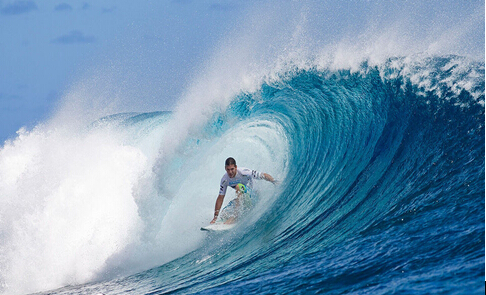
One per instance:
(230, 161)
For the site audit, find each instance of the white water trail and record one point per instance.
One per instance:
(66, 206)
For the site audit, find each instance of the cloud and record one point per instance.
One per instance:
(108, 10)
(182, 1)
(18, 7)
(63, 7)
(74, 37)
(222, 7)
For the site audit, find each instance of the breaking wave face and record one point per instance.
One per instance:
(380, 178)
(381, 169)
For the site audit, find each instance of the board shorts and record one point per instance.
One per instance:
(229, 211)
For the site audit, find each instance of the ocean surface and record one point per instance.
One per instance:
(381, 191)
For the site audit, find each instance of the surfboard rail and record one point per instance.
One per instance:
(218, 226)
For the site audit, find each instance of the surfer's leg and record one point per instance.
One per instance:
(230, 220)
(228, 211)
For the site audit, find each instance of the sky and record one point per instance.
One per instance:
(151, 48)
(145, 53)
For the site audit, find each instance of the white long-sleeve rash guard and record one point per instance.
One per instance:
(243, 175)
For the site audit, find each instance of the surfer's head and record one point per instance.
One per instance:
(230, 161)
(230, 167)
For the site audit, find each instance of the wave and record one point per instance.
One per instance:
(382, 177)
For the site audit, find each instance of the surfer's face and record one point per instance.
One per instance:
(231, 170)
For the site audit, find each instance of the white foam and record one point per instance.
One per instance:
(66, 206)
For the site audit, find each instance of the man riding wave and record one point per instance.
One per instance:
(239, 179)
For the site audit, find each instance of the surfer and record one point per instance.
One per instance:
(232, 178)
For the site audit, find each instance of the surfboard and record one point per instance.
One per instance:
(218, 227)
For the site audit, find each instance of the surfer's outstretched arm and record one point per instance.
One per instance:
(269, 177)
(217, 207)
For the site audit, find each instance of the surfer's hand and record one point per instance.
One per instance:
(275, 182)
(214, 220)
